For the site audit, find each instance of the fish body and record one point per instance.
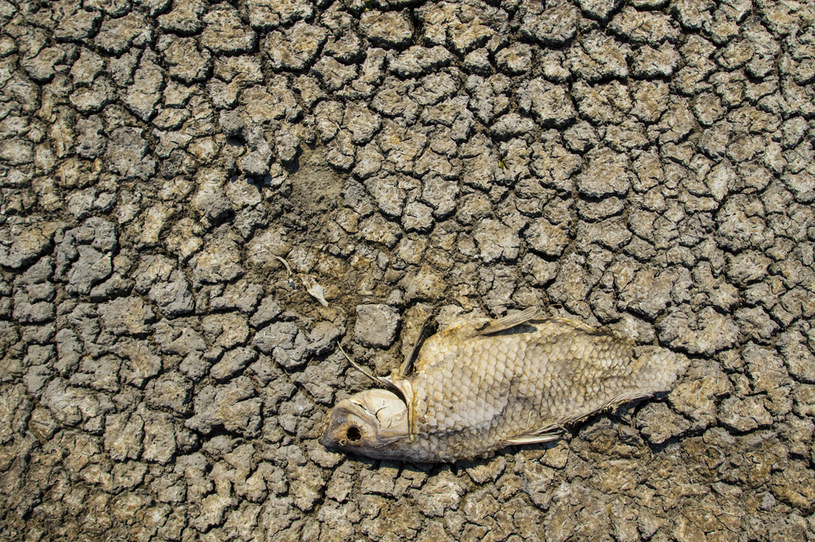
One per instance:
(480, 385)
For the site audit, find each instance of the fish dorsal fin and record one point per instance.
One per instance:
(511, 320)
(460, 329)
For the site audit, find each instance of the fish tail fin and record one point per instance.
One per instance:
(659, 368)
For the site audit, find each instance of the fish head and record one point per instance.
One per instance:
(368, 423)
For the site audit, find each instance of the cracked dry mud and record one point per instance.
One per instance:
(642, 164)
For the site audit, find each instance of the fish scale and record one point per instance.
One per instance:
(480, 385)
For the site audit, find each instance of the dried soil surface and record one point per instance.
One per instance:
(642, 164)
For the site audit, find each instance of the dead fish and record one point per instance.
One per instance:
(480, 385)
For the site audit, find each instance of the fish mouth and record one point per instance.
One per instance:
(325, 438)
(327, 441)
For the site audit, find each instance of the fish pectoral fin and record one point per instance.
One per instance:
(547, 434)
(428, 328)
(511, 320)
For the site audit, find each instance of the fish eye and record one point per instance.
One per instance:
(353, 434)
